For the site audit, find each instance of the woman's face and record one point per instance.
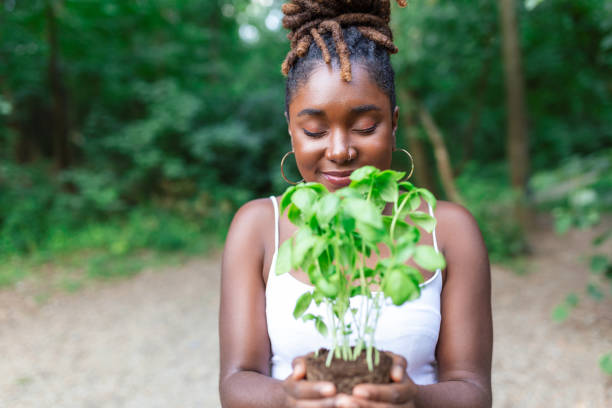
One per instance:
(337, 126)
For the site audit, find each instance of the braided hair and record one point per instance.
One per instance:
(337, 32)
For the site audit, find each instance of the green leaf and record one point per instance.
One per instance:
(302, 304)
(294, 214)
(424, 220)
(283, 258)
(327, 208)
(309, 316)
(605, 362)
(363, 173)
(428, 197)
(386, 185)
(327, 288)
(571, 300)
(304, 199)
(599, 263)
(363, 211)
(369, 233)
(406, 186)
(560, 313)
(426, 257)
(304, 241)
(321, 327)
(594, 291)
(404, 250)
(399, 287)
(286, 199)
(600, 239)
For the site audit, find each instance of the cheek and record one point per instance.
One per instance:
(307, 153)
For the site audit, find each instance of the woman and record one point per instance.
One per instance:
(341, 114)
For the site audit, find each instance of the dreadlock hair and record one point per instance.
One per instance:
(339, 32)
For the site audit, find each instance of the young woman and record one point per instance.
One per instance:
(342, 115)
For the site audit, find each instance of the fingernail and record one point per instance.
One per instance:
(398, 373)
(327, 389)
(361, 392)
(345, 402)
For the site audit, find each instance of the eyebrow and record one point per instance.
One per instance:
(365, 108)
(357, 109)
(311, 112)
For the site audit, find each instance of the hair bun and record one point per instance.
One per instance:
(309, 19)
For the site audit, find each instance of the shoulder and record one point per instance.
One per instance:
(454, 215)
(458, 232)
(252, 220)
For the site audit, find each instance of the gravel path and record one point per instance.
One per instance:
(151, 341)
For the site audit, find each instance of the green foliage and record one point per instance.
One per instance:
(337, 232)
(577, 193)
(490, 199)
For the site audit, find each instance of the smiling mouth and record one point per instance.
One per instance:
(338, 178)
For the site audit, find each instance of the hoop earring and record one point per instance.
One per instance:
(283, 171)
(411, 161)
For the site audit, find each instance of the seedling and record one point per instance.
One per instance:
(336, 233)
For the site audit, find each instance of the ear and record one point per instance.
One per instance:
(394, 122)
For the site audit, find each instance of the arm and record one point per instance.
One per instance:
(466, 334)
(244, 379)
(243, 339)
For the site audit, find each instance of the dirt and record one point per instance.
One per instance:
(151, 341)
(347, 374)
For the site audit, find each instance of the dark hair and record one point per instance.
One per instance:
(363, 52)
(339, 32)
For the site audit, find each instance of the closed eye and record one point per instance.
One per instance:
(366, 131)
(313, 134)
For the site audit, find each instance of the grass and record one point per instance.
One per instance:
(69, 258)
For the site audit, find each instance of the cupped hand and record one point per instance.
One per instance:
(400, 392)
(307, 394)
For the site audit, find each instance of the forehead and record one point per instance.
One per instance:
(326, 90)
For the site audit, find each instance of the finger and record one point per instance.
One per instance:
(349, 402)
(299, 368)
(398, 367)
(314, 403)
(309, 389)
(395, 393)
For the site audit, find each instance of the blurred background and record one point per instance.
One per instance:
(131, 131)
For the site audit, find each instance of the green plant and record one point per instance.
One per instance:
(336, 233)
(577, 194)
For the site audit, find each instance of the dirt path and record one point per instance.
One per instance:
(152, 341)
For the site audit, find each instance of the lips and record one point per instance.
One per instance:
(338, 178)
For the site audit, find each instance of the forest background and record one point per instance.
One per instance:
(133, 130)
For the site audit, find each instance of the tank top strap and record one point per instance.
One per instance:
(276, 222)
(433, 234)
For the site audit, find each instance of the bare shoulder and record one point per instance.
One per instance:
(255, 213)
(454, 215)
(459, 234)
(250, 229)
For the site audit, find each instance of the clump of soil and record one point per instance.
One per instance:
(347, 374)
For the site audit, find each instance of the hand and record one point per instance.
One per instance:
(307, 394)
(400, 393)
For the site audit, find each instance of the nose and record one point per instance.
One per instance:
(339, 149)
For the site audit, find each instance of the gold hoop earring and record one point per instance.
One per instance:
(411, 161)
(283, 171)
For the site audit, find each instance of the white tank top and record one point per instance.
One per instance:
(410, 330)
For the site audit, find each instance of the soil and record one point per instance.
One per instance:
(151, 341)
(347, 374)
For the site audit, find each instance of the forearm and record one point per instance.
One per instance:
(453, 394)
(250, 389)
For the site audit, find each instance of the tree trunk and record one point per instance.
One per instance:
(60, 126)
(441, 154)
(517, 141)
